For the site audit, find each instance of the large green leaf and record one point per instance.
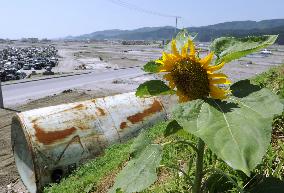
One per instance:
(152, 67)
(231, 48)
(172, 128)
(238, 129)
(152, 88)
(269, 185)
(140, 143)
(181, 38)
(140, 172)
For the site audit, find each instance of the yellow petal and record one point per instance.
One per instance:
(159, 61)
(168, 63)
(184, 50)
(174, 48)
(217, 67)
(191, 47)
(220, 81)
(166, 57)
(168, 77)
(217, 93)
(206, 60)
(165, 68)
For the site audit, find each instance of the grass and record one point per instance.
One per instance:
(87, 177)
(98, 175)
(272, 79)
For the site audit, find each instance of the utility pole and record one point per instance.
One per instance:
(177, 17)
(1, 96)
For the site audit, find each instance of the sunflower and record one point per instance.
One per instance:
(193, 77)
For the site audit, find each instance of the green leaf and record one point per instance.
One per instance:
(140, 172)
(152, 67)
(172, 128)
(152, 88)
(218, 183)
(140, 143)
(181, 38)
(243, 88)
(238, 130)
(269, 185)
(231, 48)
(118, 190)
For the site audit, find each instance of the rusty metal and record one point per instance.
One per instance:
(50, 142)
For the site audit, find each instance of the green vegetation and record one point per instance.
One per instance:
(272, 79)
(231, 48)
(237, 128)
(212, 145)
(98, 175)
(87, 178)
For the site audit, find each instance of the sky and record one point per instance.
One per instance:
(60, 18)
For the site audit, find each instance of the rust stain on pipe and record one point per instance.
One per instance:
(123, 125)
(101, 111)
(78, 107)
(155, 107)
(83, 127)
(50, 137)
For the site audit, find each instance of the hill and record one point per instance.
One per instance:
(205, 33)
(247, 25)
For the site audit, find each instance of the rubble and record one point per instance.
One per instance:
(136, 42)
(15, 61)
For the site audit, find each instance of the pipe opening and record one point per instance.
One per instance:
(56, 175)
(23, 155)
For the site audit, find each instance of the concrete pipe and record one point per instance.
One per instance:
(48, 143)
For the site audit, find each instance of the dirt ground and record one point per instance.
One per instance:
(94, 56)
(100, 57)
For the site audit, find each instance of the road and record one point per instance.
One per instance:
(14, 94)
(19, 93)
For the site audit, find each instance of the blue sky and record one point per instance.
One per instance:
(59, 18)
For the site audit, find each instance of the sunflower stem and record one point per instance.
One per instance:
(199, 167)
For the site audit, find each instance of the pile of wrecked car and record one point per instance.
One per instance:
(15, 61)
